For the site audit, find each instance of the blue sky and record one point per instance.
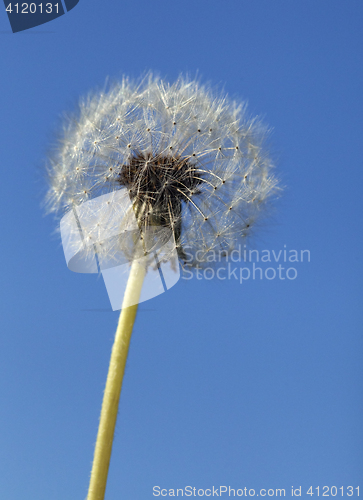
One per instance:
(256, 385)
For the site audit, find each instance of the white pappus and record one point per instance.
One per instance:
(192, 160)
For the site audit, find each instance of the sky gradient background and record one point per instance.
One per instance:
(256, 385)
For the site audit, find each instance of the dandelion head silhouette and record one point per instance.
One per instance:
(191, 159)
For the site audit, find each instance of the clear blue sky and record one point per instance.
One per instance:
(256, 385)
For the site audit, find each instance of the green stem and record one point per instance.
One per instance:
(102, 454)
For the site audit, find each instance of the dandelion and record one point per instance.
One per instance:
(194, 165)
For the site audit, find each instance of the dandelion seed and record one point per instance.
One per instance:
(176, 175)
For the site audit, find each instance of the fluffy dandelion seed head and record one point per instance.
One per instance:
(192, 161)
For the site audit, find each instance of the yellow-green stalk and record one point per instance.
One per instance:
(102, 454)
